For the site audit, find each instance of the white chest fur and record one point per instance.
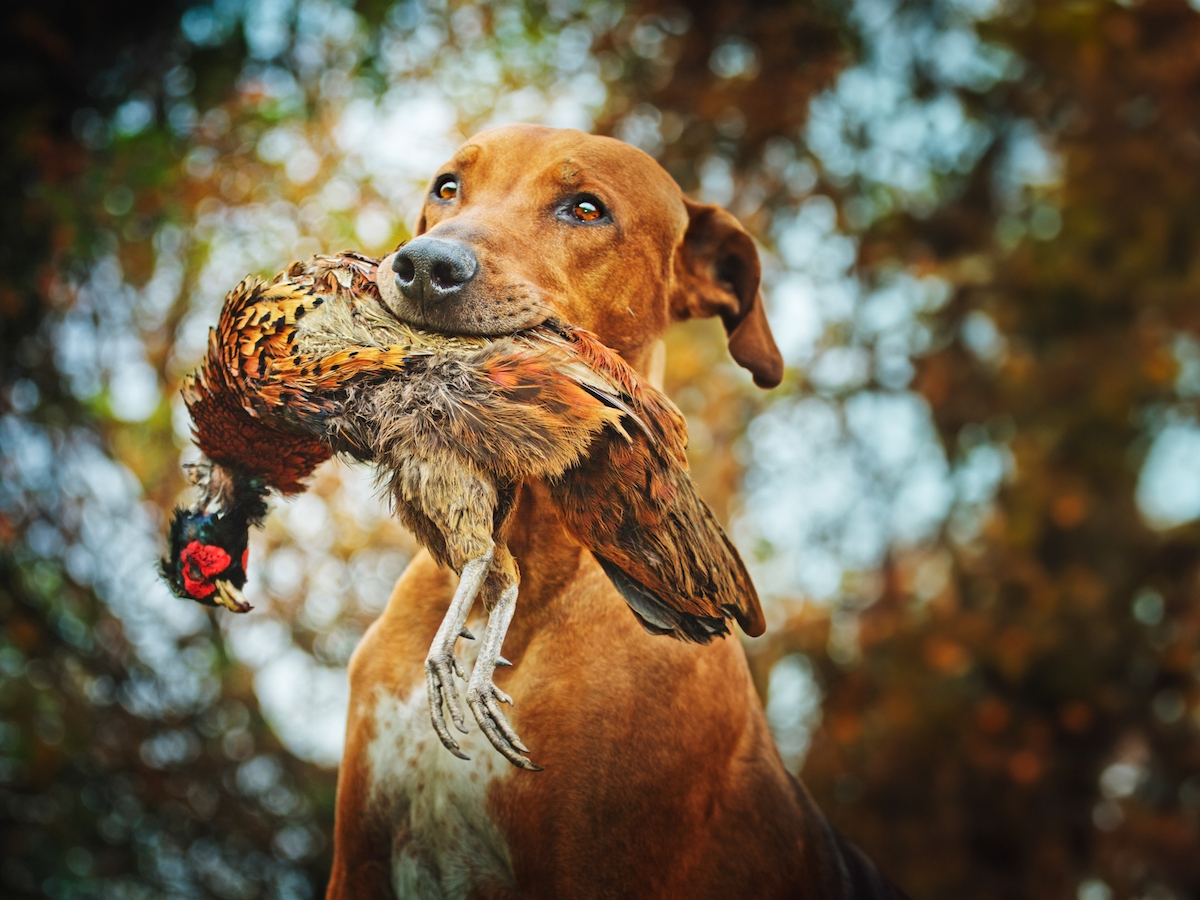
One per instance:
(445, 844)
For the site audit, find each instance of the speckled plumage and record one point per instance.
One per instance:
(260, 403)
(312, 362)
(257, 389)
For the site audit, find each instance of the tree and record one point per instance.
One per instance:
(978, 224)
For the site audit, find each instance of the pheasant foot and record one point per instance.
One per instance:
(484, 697)
(441, 665)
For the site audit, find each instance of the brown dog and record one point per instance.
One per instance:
(661, 776)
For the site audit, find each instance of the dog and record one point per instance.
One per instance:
(661, 777)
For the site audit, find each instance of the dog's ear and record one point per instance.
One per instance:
(717, 273)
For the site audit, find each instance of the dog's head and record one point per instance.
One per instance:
(525, 223)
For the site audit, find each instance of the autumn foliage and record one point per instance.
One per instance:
(1011, 705)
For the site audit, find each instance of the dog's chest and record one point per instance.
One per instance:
(445, 845)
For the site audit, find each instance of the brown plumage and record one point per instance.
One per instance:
(259, 404)
(455, 425)
(252, 379)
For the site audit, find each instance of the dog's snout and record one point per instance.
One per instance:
(429, 268)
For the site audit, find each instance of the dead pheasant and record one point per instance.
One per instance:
(456, 425)
(257, 405)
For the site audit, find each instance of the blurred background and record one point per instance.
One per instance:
(972, 507)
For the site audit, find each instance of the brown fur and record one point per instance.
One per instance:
(661, 778)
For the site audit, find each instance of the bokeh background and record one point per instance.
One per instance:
(972, 507)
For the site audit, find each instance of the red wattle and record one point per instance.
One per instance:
(208, 558)
(200, 563)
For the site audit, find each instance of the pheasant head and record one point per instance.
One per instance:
(207, 542)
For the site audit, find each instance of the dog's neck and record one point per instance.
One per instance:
(547, 556)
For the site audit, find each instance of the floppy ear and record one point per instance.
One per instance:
(717, 273)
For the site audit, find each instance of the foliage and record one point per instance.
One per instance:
(978, 222)
(1032, 722)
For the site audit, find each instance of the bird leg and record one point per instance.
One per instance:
(441, 665)
(484, 697)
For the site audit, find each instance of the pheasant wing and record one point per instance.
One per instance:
(519, 407)
(654, 535)
(641, 516)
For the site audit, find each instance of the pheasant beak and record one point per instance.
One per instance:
(231, 598)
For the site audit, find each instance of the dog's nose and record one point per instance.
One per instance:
(429, 268)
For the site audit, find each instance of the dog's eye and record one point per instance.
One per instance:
(446, 188)
(588, 209)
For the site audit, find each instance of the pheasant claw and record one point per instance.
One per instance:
(434, 689)
(484, 701)
(484, 698)
(441, 665)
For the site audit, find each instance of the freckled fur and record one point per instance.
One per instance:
(432, 798)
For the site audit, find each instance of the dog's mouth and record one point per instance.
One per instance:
(476, 311)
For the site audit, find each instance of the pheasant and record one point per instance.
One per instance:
(455, 425)
(247, 403)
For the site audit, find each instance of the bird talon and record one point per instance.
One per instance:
(440, 688)
(448, 741)
(466, 634)
(484, 699)
(442, 665)
(523, 763)
(496, 715)
(508, 748)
